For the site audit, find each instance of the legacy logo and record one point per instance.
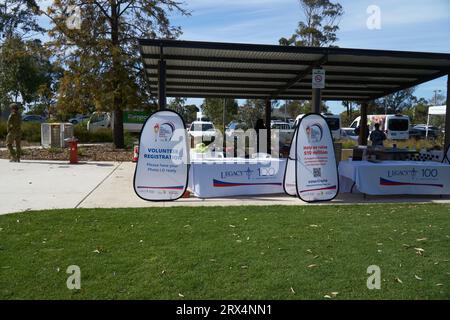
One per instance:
(236, 173)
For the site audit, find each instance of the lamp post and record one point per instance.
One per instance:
(435, 96)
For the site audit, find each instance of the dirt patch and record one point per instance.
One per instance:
(100, 152)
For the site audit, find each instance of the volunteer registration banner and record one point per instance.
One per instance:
(311, 171)
(162, 168)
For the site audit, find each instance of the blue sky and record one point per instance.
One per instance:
(414, 25)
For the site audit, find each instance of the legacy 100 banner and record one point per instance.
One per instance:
(162, 168)
(311, 171)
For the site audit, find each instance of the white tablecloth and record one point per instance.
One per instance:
(394, 177)
(234, 177)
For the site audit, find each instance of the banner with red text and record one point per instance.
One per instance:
(316, 175)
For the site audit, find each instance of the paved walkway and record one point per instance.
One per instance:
(35, 185)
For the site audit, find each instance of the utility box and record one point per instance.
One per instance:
(53, 135)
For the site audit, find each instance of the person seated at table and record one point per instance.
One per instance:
(377, 136)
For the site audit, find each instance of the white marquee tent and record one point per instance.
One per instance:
(434, 111)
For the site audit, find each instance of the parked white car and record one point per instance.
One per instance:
(202, 132)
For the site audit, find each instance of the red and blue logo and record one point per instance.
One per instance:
(390, 183)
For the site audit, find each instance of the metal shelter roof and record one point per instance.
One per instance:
(234, 70)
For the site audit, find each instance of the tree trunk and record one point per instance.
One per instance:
(117, 101)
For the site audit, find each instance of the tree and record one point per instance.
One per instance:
(213, 109)
(187, 112)
(396, 102)
(102, 55)
(251, 111)
(26, 73)
(320, 26)
(18, 18)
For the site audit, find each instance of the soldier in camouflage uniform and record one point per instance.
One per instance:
(14, 133)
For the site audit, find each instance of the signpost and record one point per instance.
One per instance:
(318, 79)
(311, 171)
(163, 163)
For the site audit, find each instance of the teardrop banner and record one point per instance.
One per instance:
(163, 163)
(447, 156)
(315, 170)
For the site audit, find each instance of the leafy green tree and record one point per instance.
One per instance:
(396, 102)
(320, 25)
(18, 18)
(213, 109)
(187, 112)
(102, 55)
(26, 73)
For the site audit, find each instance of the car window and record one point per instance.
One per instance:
(333, 123)
(398, 124)
(202, 127)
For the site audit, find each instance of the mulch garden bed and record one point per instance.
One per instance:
(100, 152)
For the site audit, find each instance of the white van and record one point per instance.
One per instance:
(396, 126)
(333, 121)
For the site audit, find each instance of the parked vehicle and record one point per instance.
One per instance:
(349, 133)
(420, 131)
(132, 120)
(33, 118)
(285, 131)
(78, 119)
(333, 121)
(230, 130)
(396, 126)
(202, 132)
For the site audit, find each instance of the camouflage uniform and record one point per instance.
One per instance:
(14, 135)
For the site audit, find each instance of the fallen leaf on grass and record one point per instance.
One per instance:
(419, 251)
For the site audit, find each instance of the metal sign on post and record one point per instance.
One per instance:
(318, 78)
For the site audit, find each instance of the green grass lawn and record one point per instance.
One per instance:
(273, 252)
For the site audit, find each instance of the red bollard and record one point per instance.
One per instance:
(135, 153)
(73, 150)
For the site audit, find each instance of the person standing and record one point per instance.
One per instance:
(258, 127)
(377, 136)
(14, 133)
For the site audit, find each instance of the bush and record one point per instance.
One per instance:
(2, 130)
(101, 135)
(84, 136)
(31, 131)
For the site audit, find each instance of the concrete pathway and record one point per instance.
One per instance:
(34, 185)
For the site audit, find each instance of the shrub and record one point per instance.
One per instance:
(101, 135)
(84, 136)
(2, 130)
(31, 131)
